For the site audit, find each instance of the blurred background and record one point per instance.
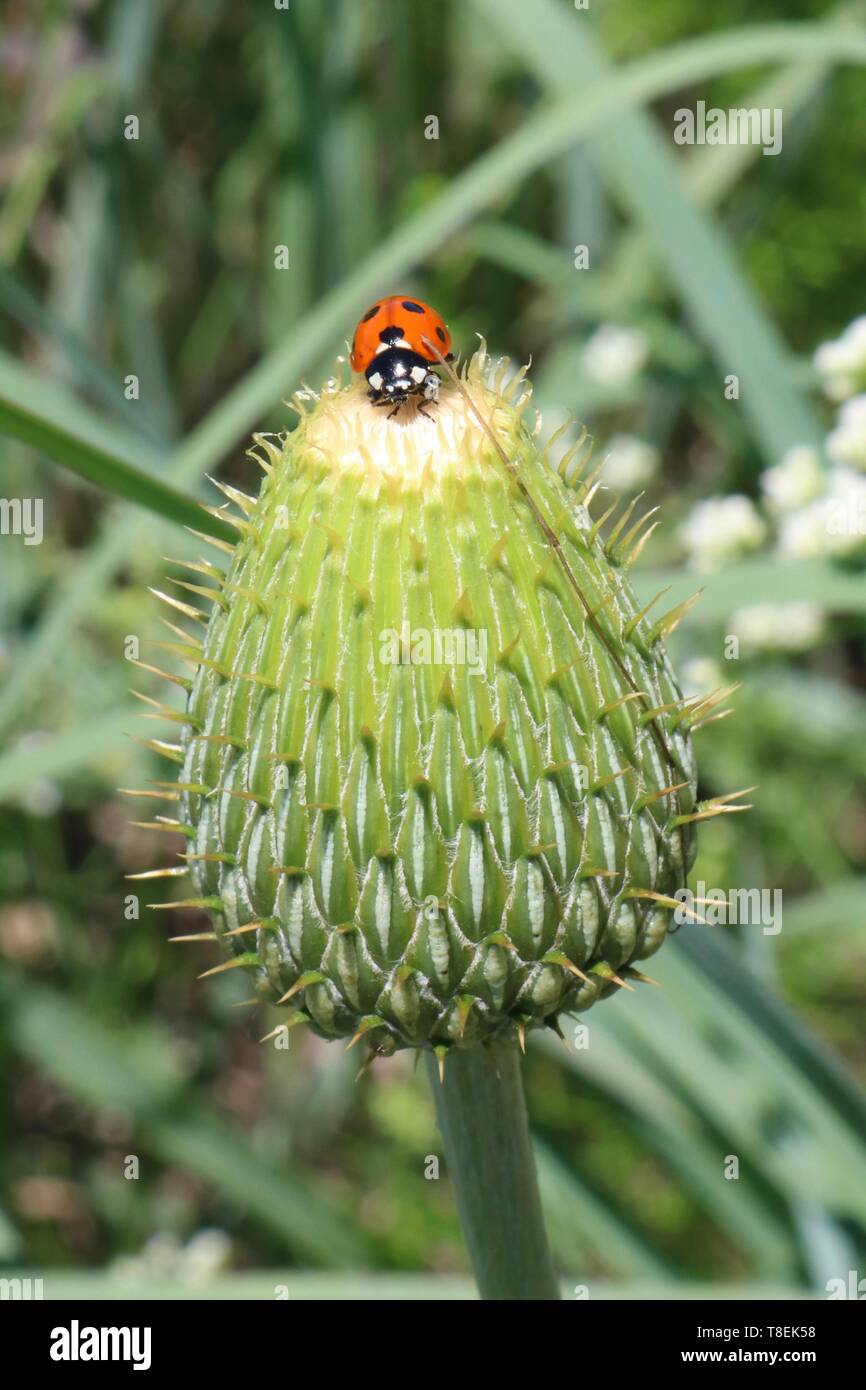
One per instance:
(713, 347)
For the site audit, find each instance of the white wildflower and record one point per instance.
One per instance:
(41, 796)
(845, 511)
(803, 534)
(841, 363)
(798, 479)
(720, 529)
(701, 675)
(629, 462)
(847, 442)
(614, 354)
(206, 1254)
(160, 1254)
(779, 626)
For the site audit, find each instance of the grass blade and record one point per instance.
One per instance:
(60, 754)
(23, 419)
(814, 1064)
(760, 580)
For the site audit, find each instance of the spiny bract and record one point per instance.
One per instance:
(437, 781)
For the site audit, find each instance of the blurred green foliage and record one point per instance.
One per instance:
(306, 127)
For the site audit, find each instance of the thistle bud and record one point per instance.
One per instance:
(437, 780)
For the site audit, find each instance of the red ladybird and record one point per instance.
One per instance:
(390, 348)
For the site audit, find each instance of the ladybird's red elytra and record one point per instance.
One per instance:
(392, 348)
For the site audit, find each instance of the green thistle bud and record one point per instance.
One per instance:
(437, 778)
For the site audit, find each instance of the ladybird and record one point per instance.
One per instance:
(391, 348)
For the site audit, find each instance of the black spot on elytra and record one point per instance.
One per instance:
(391, 335)
(440, 335)
(413, 307)
(370, 314)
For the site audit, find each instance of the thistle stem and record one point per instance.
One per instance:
(482, 1117)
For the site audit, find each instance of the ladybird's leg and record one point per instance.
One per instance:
(394, 411)
(430, 389)
(425, 413)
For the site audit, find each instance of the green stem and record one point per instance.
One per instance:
(482, 1116)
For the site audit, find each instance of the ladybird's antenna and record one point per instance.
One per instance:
(554, 542)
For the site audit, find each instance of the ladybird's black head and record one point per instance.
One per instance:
(396, 374)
